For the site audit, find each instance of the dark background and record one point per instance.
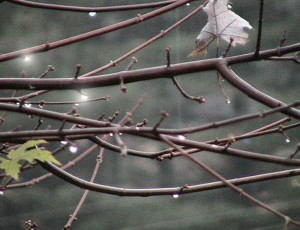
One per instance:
(51, 202)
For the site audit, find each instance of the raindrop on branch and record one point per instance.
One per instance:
(181, 137)
(92, 14)
(175, 196)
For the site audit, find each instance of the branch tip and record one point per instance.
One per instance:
(78, 68)
(168, 50)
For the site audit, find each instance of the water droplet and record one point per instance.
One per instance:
(1, 193)
(84, 97)
(41, 106)
(27, 105)
(120, 134)
(64, 142)
(73, 149)
(175, 196)
(76, 104)
(111, 134)
(287, 140)
(27, 58)
(92, 14)
(181, 137)
(137, 128)
(228, 101)
(188, 4)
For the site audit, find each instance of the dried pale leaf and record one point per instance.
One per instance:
(223, 23)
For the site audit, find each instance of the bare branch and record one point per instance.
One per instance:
(81, 9)
(67, 41)
(162, 191)
(137, 75)
(253, 93)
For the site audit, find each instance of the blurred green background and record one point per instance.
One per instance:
(51, 202)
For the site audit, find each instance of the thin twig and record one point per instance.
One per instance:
(227, 182)
(163, 116)
(200, 99)
(143, 45)
(73, 216)
(67, 41)
(259, 33)
(50, 69)
(253, 93)
(81, 9)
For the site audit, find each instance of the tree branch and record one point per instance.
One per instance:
(161, 191)
(81, 9)
(136, 75)
(253, 93)
(67, 41)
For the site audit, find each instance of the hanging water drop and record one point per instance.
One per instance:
(181, 137)
(64, 142)
(287, 140)
(228, 101)
(175, 196)
(1, 193)
(92, 14)
(111, 134)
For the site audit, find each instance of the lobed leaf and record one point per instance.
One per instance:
(222, 23)
(29, 152)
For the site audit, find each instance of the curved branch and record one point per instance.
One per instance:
(131, 152)
(253, 93)
(161, 191)
(39, 179)
(81, 9)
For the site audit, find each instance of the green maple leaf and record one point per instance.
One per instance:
(11, 167)
(29, 152)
